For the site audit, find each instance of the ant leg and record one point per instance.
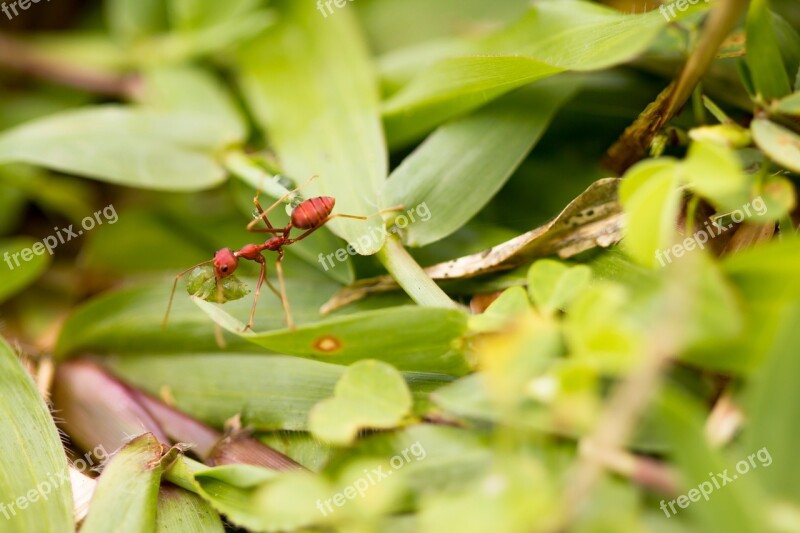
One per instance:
(263, 213)
(282, 283)
(175, 286)
(262, 277)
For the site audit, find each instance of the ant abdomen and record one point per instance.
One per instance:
(313, 212)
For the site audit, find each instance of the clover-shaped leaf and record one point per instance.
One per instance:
(202, 283)
(370, 394)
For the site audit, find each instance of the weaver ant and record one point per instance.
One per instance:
(309, 215)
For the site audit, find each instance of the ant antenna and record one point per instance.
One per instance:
(175, 285)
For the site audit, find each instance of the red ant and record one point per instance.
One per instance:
(309, 215)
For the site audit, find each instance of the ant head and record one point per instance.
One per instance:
(225, 262)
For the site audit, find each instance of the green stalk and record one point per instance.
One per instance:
(239, 164)
(410, 276)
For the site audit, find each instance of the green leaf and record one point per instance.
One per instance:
(763, 58)
(34, 479)
(454, 86)
(780, 144)
(733, 506)
(650, 197)
(789, 105)
(459, 167)
(126, 495)
(508, 307)
(713, 171)
(270, 392)
(119, 145)
(21, 265)
(202, 283)
(180, 511)
(194, 92)
(380, 334)
(370, 394)
(551, 38)
(773, 408)
(310, 85)
(130, 20)
(553, 285)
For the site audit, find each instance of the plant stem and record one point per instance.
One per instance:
(239, 164)
(411, 277)
(17, 56)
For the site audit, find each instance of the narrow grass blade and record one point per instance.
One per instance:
(180, 511)
(458, 168)
(35, 490)
(380, 334)
(268, 391)
(125, 499)
(23, 265)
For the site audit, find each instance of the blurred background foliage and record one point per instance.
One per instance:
(564, 381)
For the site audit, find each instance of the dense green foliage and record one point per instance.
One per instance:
(529, 341)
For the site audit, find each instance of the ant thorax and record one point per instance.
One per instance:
(275, 243)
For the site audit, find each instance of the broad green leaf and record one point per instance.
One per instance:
(380, 334)
(551, 38)
(126, 495)
(180, 511)
(713, 171)
(34, 479)
(650, 197)
(370, 394)
(24, 260)
(194, 92)
(392, 24)
(459, 167)
(553, 285)
(780, 144)
(310, 85)
(119, 145)
(453, 87)
(269, 391)
(763, 58)
(109, 323)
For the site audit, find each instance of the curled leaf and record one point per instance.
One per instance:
(202, 283)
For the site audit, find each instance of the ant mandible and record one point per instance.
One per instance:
(309, 215)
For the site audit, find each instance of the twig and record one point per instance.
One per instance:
(16, 56)
(633, 143)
